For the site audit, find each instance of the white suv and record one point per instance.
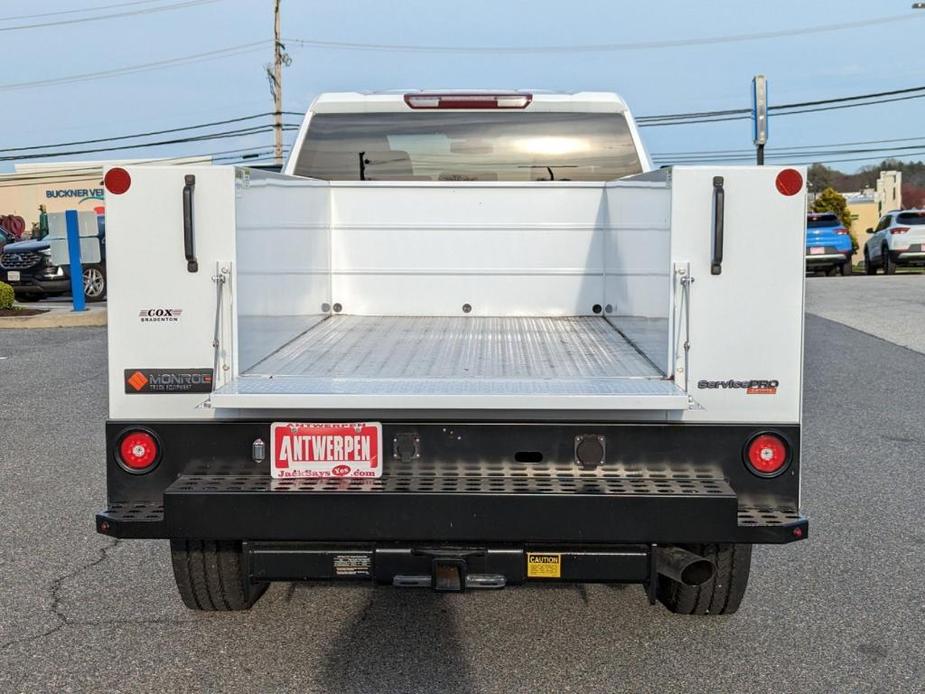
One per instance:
(899, 239)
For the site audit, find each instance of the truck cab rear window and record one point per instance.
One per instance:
(468, 146)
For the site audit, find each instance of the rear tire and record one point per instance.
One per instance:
(846, 268)
(889, 267)
(211, 576)
(722, 594)
(868, 268)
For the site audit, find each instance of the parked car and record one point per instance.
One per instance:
(6, 237)
(27, 267)
(828, 244)
(897, 241)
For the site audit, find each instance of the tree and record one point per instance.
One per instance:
(820, 177)
(830, 200)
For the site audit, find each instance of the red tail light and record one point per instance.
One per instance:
(458, 101)
(138, 451)
(117, 181)
(767, 455)
(841, 231)
(899, 230)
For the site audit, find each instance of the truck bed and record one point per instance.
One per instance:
(490, 362)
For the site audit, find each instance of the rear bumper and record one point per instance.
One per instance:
(908, 257)
(828, 259)
(29, 284)
(659, 484)
(212, 508)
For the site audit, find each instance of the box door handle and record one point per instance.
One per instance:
(191, 264)
(719, 210)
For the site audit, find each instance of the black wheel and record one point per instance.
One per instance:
(94, 283)
(845, 268)
(211, 575)
(832, 271)
(722, 594)
(869, 269)
(889, 267)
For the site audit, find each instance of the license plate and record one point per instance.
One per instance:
(325, 450)
(13, 275)
(816, 251)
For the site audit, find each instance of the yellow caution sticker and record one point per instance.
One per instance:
(544, 565)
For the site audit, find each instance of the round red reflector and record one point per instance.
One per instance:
(117, 181)
(789, 182)
(767, 454)
(138, 450)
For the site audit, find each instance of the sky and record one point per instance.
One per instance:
(653, 79)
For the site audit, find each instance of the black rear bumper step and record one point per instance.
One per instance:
(454, 509)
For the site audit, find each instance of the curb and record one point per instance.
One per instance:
(56, 319)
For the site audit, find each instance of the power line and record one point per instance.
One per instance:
(256, 130)
(812, 155)
(150, 133)
(607, 47)
(142, 67)
(80, 11)
(792, 148)
(836, 103)
(129, 13)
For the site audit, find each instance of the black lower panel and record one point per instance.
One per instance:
(483, 566)
(451, 510)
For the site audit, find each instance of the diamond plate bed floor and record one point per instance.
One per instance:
(452, 348)
(419, 363)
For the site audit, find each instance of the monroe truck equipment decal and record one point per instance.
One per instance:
(167, 381)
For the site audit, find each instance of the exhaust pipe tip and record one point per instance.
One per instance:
(697, 572)
(682, 566)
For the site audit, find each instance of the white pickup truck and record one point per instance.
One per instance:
(466, 340)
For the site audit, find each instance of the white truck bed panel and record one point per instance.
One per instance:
(484, 362)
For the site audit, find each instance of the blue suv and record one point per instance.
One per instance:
(828, 244)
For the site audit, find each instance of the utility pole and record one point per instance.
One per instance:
(281, 59)
(277, 85)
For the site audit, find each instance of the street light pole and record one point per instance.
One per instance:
(760, 116)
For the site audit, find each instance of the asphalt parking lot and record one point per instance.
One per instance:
(844, 611)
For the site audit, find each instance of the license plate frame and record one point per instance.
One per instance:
(13, 276)
(326, 449)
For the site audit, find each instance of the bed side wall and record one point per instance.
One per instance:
(637, 286)
(283, 267)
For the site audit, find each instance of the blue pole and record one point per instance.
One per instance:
(76, 267)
